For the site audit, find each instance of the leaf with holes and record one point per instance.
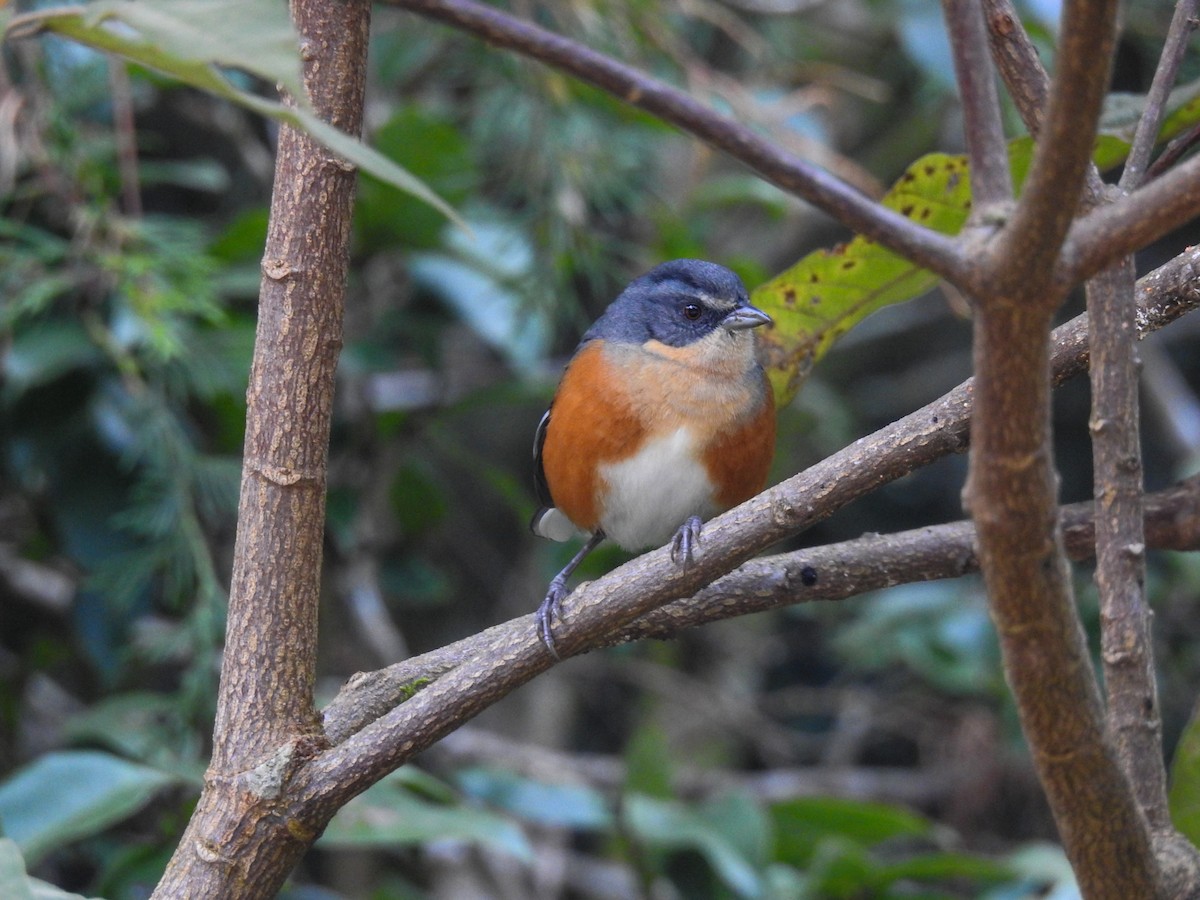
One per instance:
(829, 291)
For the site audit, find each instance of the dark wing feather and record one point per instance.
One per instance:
(539, 471)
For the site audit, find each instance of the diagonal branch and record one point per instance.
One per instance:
(1146, 134)
(1127, 225)
(936, 430)
(1018, 62)
(878, 561)
(934, 251)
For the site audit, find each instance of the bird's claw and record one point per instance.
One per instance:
(686, 542)
(549, 610)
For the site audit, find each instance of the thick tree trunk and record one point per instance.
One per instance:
(240, 843)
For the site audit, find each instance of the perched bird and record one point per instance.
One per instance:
(663, 418)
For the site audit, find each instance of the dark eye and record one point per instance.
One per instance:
(692, 311)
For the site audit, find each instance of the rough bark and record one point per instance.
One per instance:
(276, 779)
(239, 842)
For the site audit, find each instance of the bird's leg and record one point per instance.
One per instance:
(551, 607)
(686, 542)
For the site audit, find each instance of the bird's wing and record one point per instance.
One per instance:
(539, 471)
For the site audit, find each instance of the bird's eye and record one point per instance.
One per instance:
(692, 311)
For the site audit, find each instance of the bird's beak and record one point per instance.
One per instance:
(745, 317)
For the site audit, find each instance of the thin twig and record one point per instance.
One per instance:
(991, 183)
(1133, 712)
(1018, 62)
(1146, 135)
(1174, 151)
(934, 251)
(125, 136)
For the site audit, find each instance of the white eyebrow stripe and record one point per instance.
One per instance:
(715, 302)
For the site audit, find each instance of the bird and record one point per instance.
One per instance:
(662, 419)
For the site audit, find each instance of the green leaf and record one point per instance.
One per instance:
(253, 35)
(14, 883)
(803, 824)
(43, 891)
(670, 825)
(142, 726)
(941, 867)
(648, 765)
(430, 146)
(44, 352)
(744, 823)
(64, 796)
(940, 630)
(1184, 797)
(829, 291)
(389, 814)
(554, 805)
(479, 277)
(164, 35)
(840, 868)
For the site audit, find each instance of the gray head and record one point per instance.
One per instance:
(678, 303)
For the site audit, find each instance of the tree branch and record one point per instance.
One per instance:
(266, 725)
(1127, 225)
(1012, 486)
(1133, 711)
(938, 429)
(1023, 256)
(991, 183)
(1115, 230)
(1018, 62)
(878, 561)
(936, 252)
(1146, 135)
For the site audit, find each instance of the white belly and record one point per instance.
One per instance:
(651, 494)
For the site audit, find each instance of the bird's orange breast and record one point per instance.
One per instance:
(613, 398)
(590, 424)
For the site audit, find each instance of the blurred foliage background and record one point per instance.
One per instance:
(860, 749)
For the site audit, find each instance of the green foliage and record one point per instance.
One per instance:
(125, 346)
(827, 292)
(536, 802)
(1185, 781)
(726, 832)
(938, 630)
(434, 150)
(16, 885)
(189, 39)
(390, 814)
(64, 796)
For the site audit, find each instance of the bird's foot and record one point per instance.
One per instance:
(686, 542)
(549, 610)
